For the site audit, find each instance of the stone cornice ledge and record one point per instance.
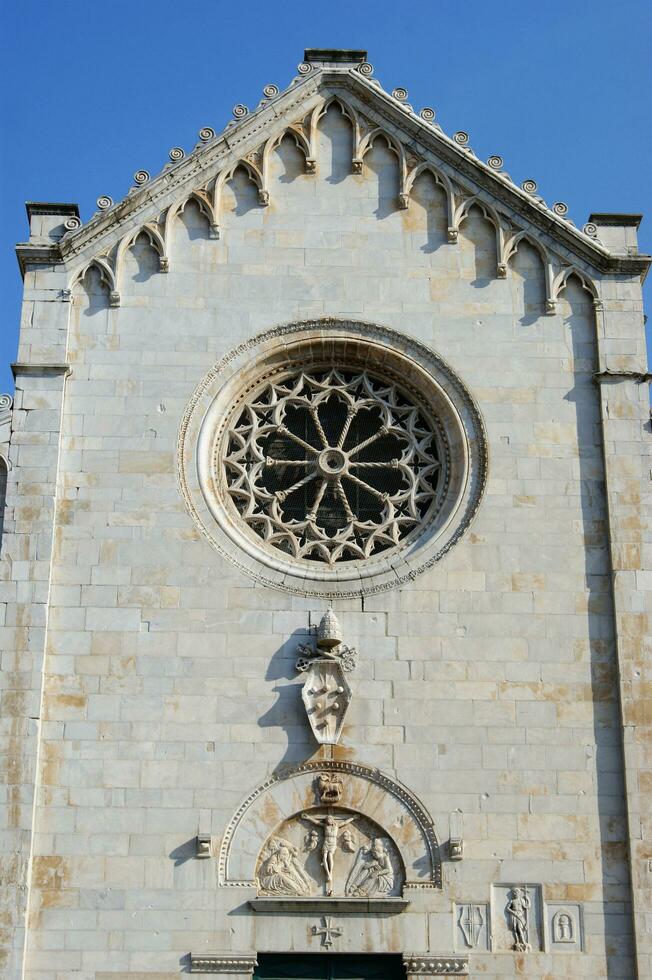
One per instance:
(325, 906)
(28, 254)
(642, 377)
(222, 963)
(25, 367)
(429, 965)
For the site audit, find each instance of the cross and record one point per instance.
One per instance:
(329, 932)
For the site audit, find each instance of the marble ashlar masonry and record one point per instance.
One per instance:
(326, 570)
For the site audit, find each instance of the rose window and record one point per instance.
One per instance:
(333, 465)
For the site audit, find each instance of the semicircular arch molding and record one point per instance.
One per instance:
(365, 791)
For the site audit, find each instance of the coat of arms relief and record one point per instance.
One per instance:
(329, 851)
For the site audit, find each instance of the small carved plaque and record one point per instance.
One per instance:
(472, 927)
(564, 927)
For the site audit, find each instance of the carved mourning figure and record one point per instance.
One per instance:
(331, 826)
(518, 916)
(281, 873)
(372, 874)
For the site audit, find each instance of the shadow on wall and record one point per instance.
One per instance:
(576, 306)
(287, 162)
(91, 293)
(334, 145)
(528, 284)
(478, 251)
(428, 214)
(382, 162)
(141, 260)
(288, 712)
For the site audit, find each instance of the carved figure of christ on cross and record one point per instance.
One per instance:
(332, 826)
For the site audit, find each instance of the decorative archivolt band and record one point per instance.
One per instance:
(247, 830)
(304, 133)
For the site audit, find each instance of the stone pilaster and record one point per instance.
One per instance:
(25, 573)
(625, 416)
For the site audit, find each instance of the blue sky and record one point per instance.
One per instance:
(93, 92)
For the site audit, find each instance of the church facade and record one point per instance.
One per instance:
(325, 573)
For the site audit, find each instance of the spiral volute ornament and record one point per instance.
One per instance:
(176, 154)
(6, 401)
(104, 202)
(461, 138)
(240, 111)
(72, 223)
(590, 229)
(366, 69)
(427, 114)
(495, 162)
(270, 91)
(141, 177)
(304, 68)
(400, 94)
(530, 186)
(560, 209)
(206, 134)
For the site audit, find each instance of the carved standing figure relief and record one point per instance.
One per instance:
(331, 826)
(281, 873)
(372, 874)
(518, 916)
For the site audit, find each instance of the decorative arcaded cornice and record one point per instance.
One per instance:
(317, 79)
(222, 963)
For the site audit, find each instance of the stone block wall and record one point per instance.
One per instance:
(488, 685)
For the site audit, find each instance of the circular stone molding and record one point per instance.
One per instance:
(388, 442)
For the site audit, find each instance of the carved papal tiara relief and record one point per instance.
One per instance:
(206, 189)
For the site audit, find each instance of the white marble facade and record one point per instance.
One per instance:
(476, 801)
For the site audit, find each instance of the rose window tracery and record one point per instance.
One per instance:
(329, 465)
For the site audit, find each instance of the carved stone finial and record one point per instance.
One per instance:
(104, 202)
(176, 153)
(329, 631)
(270, 91)
(141, 177)
(530, 186)
(495, 162)
(72, 223)
(560, 209)
(240, 111)
(400, 94)
(366, 69)
(427, 114)
(206, 134)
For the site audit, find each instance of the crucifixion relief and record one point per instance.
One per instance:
(331, 827)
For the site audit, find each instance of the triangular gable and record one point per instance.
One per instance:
(419, 143)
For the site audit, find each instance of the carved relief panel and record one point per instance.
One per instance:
(330, 851)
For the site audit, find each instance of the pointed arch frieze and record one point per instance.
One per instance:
(366, 129)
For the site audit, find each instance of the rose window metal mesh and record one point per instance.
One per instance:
(333, 466)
